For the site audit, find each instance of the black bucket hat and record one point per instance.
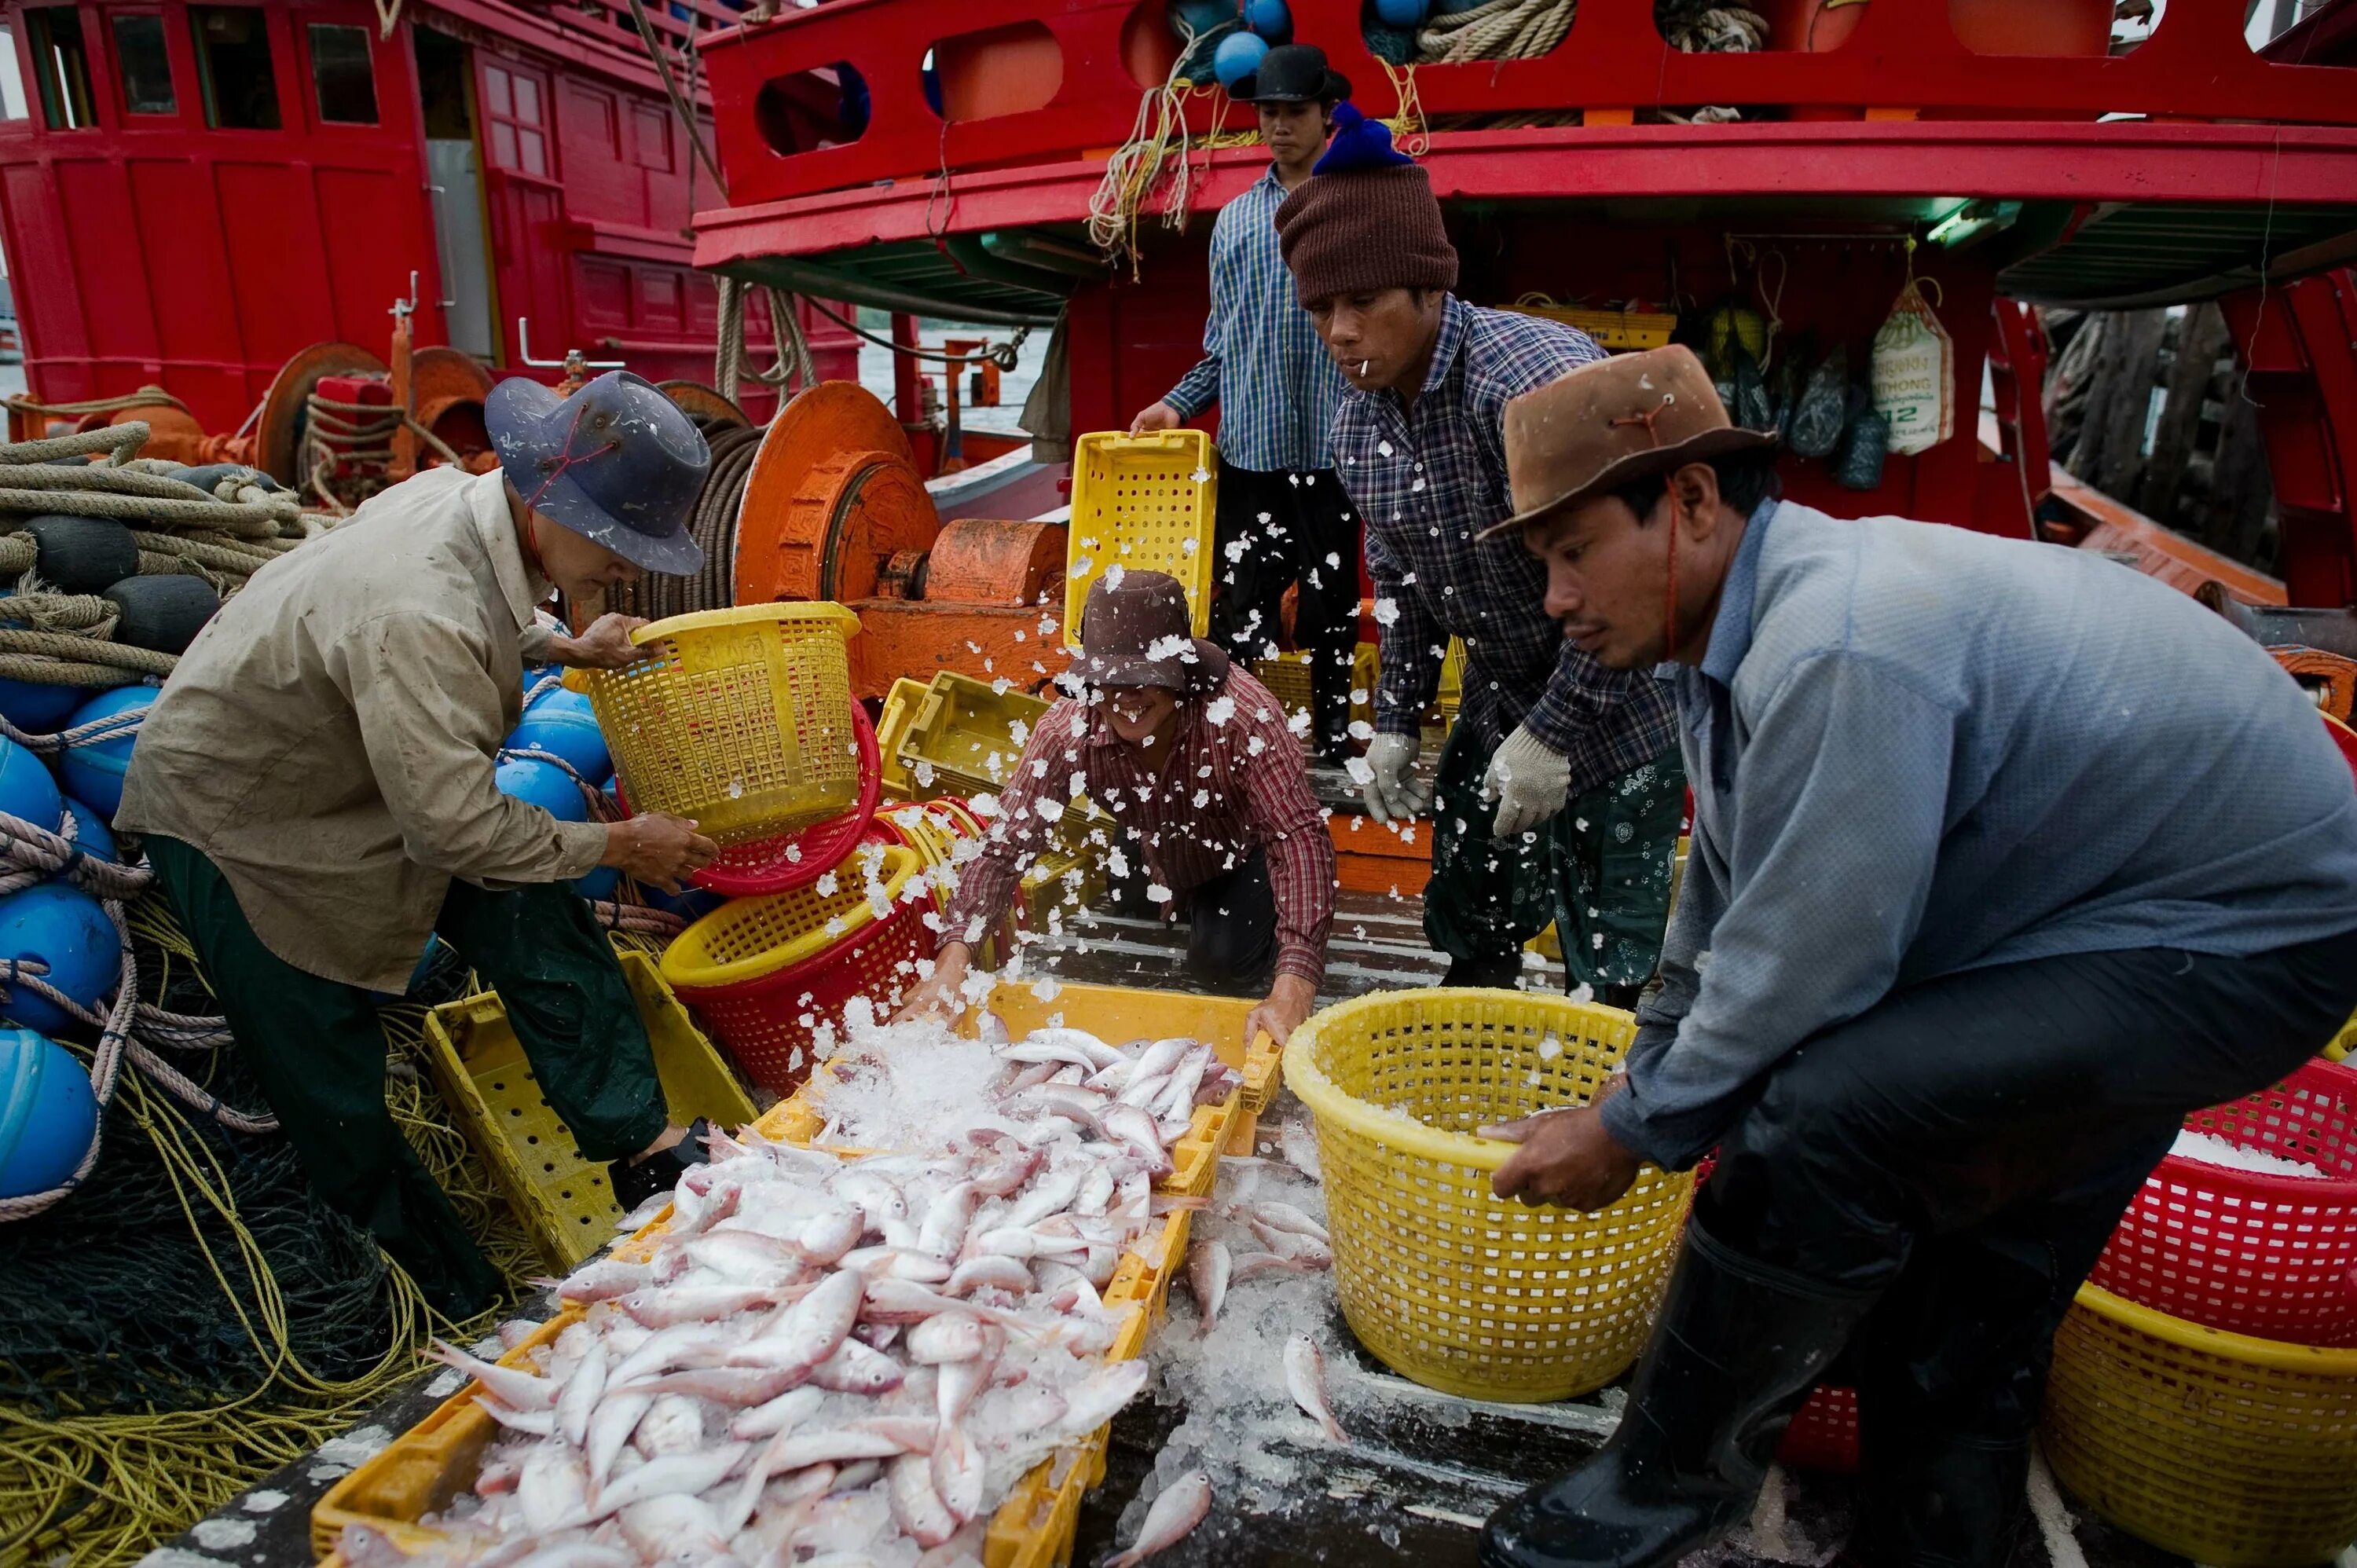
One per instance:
(1291, 73)
(618, 463)
(1136, 632)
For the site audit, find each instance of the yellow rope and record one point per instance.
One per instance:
(1408, 129)
(99, 1491)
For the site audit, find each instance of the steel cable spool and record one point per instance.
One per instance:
(713, 524)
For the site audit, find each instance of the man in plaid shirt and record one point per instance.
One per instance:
(1560, 782)
(1205, 784)
(1281, 519)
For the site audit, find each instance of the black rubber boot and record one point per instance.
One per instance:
(634, 1183)
(1498, 971)
(1736, 1349)
(1933, 1500)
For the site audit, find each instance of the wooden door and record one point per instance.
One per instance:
(530, 244)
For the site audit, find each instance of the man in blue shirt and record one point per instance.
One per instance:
(2003, 859)
(1557, 793)
(1282, 519)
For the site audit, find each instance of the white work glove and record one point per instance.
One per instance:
(1530, 781)
(1392, 796)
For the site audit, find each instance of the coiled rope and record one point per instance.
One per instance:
(658, 595)
(1495, 30)
(795, 364)
(130, 1030)
(223, 538)
(336, 432)
(1137, 165)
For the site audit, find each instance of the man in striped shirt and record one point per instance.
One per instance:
(1281, 517)
(1192, 760)
(1560, 789)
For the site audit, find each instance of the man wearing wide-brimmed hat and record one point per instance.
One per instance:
(1194, 762)
(2004, 860)
(1558, 794)
(1281, 522)
(316, 788)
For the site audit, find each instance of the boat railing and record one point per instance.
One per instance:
(858, 92)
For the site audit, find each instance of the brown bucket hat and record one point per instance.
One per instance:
(1135, 632)
(1610, 423)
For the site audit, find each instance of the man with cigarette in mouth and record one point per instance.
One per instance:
(1559, 789)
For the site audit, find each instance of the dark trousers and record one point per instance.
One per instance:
(1273, 531)
(1232, 926)
(1599, 869)
(1966, 1145)
(318, 1048)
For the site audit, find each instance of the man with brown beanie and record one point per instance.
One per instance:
(1207, 785)
(1952, 1013)
(1559, 789)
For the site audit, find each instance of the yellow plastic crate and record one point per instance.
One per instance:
(1619, 330)
(2221, 1447)
(1143, 503)
(739, 720)
(1286, 676)
(432, 1463)
(563, 1199)
(965, 731)
(899, 707)
(1119, 1014)
(1443, 1280)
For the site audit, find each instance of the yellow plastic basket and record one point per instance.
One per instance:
(740, 721)
(2343, 1042)
(484, 1077)
(747, 938)
(1438, 1278)
(2230, 1450)
(1143, 503)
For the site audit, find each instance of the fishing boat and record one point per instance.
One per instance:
(242, 223)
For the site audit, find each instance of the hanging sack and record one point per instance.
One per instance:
(1915, 370)
(1817, 418)
(1865, 441)
(1750, 409)
(1785, 385)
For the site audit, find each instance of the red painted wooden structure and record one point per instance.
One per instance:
(190, 194)
(835, 156)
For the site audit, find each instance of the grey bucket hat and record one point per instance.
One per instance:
(618, 463)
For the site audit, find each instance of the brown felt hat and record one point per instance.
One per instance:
(1611, 423)
(1135, 631)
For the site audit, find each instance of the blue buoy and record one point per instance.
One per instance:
(1239, 56)
(36, 707)
(26, 789)
(1403, 13)
(91, 832)
(46, 1112)
(545, 785)
(94, 771)
(1269, 18)
(65, 927)
(600, 883)
(563, 723)
(691, 905)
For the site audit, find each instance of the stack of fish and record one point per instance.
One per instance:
(834, 1360)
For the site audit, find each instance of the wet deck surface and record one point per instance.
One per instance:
(1408, 1493)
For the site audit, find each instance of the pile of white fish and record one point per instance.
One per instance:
(830, 1362)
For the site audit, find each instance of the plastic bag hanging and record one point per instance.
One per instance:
(1915, 370)
(1817, 418)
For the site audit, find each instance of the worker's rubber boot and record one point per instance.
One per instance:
(1933, 1499)
(634, 1183)
(1736, 1349)
(1495, 971)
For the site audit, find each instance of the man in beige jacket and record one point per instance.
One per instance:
(316, 786)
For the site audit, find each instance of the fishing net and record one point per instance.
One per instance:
(193, 1317)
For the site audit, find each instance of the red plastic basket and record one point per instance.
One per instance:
(769, 1020)
(1823, 1435)
(2272, 1256)
(788, 861)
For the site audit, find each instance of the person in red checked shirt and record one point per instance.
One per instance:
(1192, 760)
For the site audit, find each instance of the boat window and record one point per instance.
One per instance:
(342, 73)
(240, 89)
(63, 63)
(812, 108)
(146, 70)
(11, 80)
(512, 120)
